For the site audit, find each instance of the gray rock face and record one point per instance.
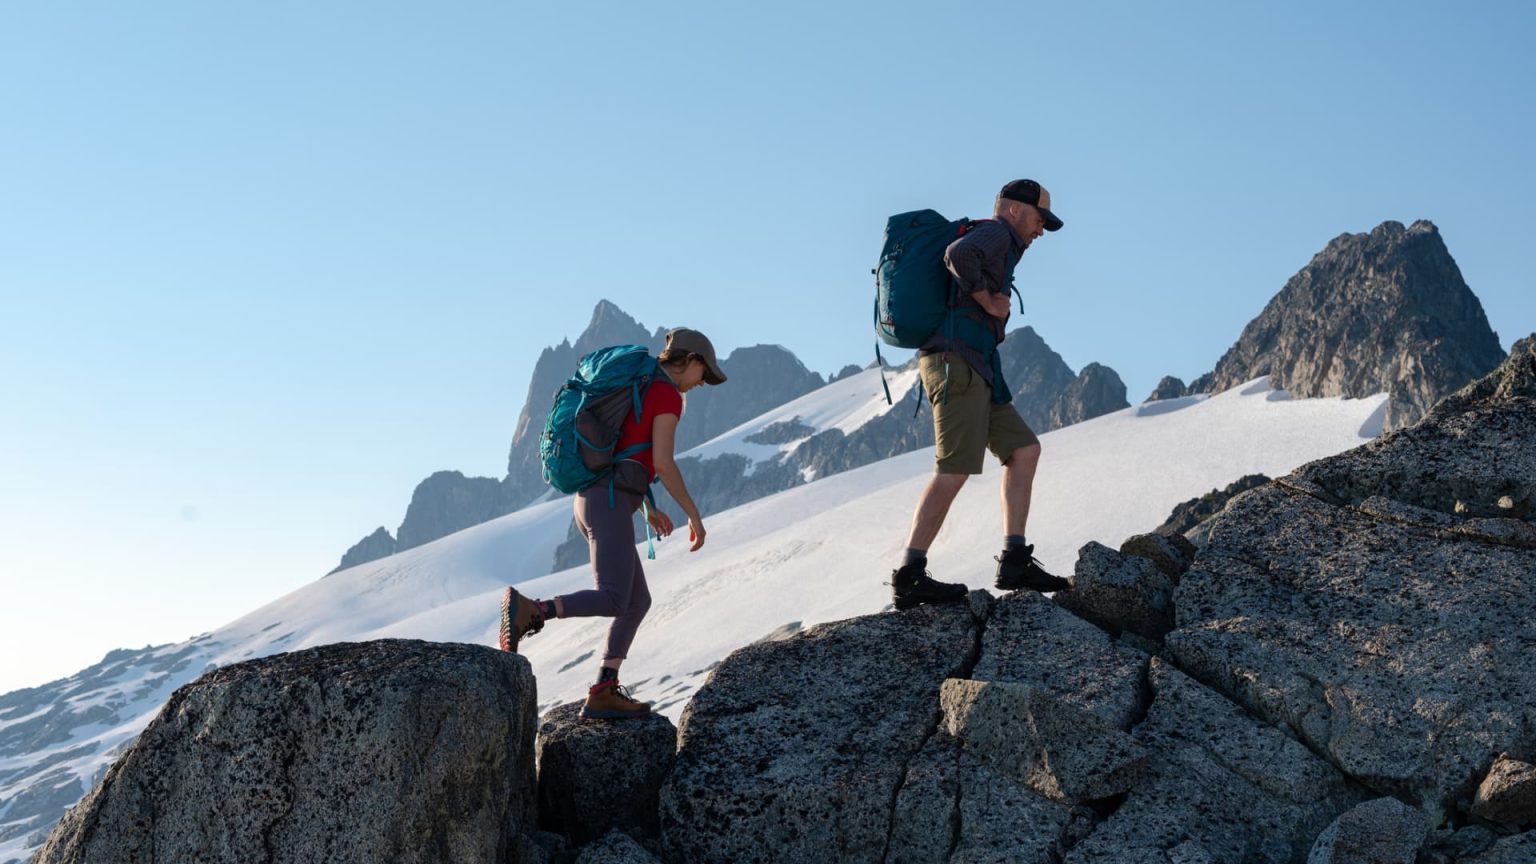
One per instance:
(616, 848)
(1472, 459)
(379, 544)
(598, 776)
(359, 752)
(1520, 849)
(845, 372)
(1120, 593)
(1170, 553)
(1186, 517)
(1380, 831)
(783, 759)
(1236, 789)
(1168, 388)
(1054, 748)
(955, 806)
(447, 502)
(795, 749)
(1096, 391)
(1508, 793)
(1368, 605)
(1036, 374)
(1384, 311)
(1032, 641)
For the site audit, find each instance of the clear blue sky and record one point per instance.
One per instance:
(264, 267)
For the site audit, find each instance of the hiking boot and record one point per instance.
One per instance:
(611, 701)
(1017, 569)
(911, 585)
(519, 617)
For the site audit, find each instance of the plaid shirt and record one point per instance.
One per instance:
(982, 259)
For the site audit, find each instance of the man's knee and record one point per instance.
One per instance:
(1024, 457)
(950, 481)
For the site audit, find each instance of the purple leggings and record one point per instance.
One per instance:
(621, 593)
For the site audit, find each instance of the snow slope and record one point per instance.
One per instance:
(845, 405)
(815, 553)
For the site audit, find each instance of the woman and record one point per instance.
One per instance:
(621, 593)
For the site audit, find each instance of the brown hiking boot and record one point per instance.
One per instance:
(519, 617)
(609, 701)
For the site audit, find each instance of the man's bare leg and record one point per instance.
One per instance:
(1017, 487)
(932, 508)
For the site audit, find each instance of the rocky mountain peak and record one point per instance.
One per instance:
(1386, 310)
(611, 325)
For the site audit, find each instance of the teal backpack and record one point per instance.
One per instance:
(914, 291)
(582, 431)
(913, 288)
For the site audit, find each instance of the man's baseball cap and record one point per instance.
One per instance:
(1033, 194)
(683, 339)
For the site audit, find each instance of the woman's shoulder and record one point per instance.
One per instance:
(664, 397)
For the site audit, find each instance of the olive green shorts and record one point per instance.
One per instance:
(968, 423)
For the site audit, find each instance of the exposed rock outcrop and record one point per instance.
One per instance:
(616, 848)
(796, 748)
(1097, 390)
(1378, 606)
(846, 371)
(1120, 593)
(447, 502)
(379, 544)
(1057, 749)
(1168, 388)
(1510, 850)
(1036, 374)
(1508, 794)
(597, 777)
(1051, 742)
(1380, 831)
(1188, 516)
(1220, 786)
(1384, 311)
(358, 752)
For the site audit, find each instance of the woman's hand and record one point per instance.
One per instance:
(696, 533)
(661, 523)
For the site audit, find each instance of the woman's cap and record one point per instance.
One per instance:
(683, 339)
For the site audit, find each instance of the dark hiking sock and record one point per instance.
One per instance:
(915, 556)
(547, 609)
(1013, 541)
(606, 674)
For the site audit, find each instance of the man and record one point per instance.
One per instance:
(972, 405)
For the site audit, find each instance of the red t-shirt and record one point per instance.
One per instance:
(660, 398)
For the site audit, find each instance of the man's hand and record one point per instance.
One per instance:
(996, 305)
(696, 533)
(661, 523)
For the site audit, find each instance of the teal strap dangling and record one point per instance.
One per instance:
(650, 542)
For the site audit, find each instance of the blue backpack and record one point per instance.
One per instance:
(582, 431)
